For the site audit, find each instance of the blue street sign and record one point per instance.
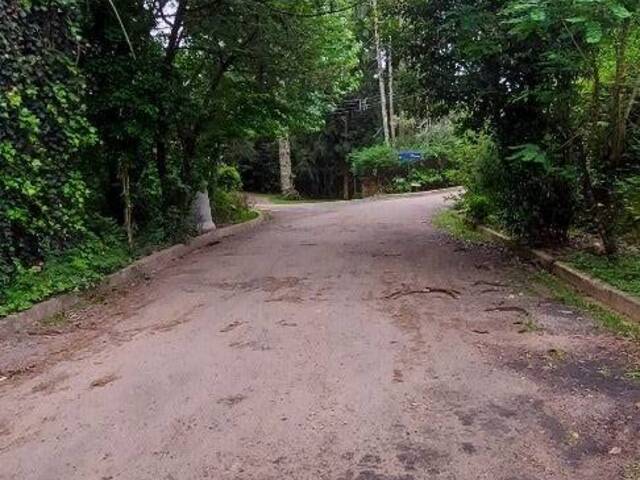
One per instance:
(410, 157)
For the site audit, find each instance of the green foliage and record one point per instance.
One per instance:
(452, 222)
(591, 47)
(228, 178)
(42, 131)
(628, 192)
(525, 79)
(379, 160)
(536, 198)
(449, 155)
(530, 196)
(124, 109)
(230, 207)
(75, 269)
(621, 271)
(476, 208)
(288, 200)
(422, 178)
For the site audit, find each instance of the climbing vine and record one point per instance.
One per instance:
(42, 129)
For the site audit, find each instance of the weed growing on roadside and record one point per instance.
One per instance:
(622, 271)
(452, 222)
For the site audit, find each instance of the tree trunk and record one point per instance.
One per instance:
(201, 210)
(125, 181)
(286, 175)
(166, 72)
(380, 61)
(345, 185)
(618, 114)
(392, 115)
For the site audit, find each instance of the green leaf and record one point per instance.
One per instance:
(620, 11)
(538, 15)
(594, 32)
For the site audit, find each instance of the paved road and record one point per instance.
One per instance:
(329, 344)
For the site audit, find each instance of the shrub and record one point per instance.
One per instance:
(629, 194)
(230, 207)
(427, 178)
(379, 160)
(228, 178)
(74, 269)
(477, 208)
(529, 193)
(536, 198)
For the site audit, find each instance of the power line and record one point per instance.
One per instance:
(366, 103)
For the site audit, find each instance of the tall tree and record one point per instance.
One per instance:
(380, 59)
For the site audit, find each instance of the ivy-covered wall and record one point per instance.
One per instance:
(42, 129)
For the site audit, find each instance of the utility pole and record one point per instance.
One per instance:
(380, 62)
(392, 115)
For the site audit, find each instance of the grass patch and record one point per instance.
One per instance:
(623, 271)
(454, 224)
(609, 320)
(75, 269)
(246, 216)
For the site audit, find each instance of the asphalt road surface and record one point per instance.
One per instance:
(346, 341)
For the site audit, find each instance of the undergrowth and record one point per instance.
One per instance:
(229, 208)
(622, 271)
(75, 269)
(453, 223)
